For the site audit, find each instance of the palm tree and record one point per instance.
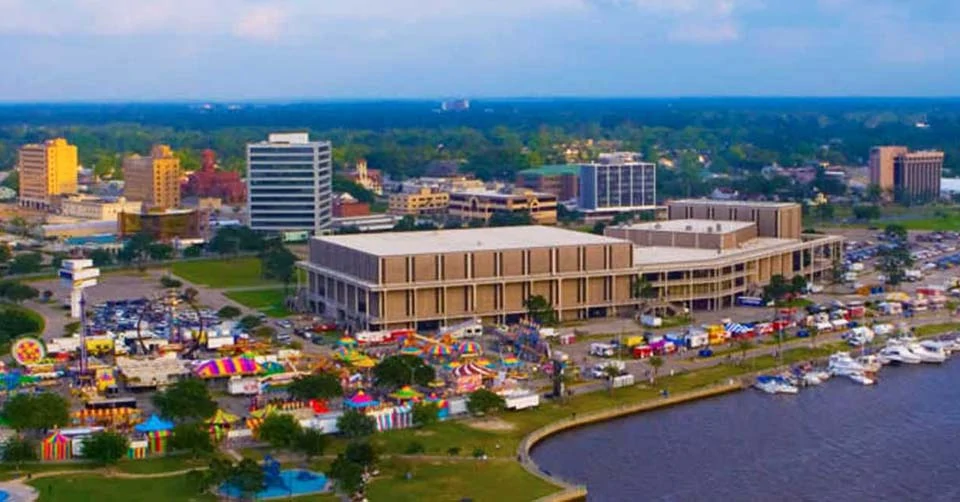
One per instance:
(655, 362)
(611, 372)
(813, 336)
(743, 346)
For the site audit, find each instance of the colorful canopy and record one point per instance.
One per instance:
(222, 418)
(469, 348)
(486, 363)
(263, 412)
(361, 400)
(433, 398)
(363, 362)
(345, 354)
(510, 362)
(153, 424)
(411, 350)
(347, 342)
(471, 369)
(405, 393)
(438, 350)
(452, 364)
(226, 367)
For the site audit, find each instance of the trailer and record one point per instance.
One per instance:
(642, 351)
(751, 301)
(521, 400)
(468, 329)
(622, 381)
(602, 350)
(696, 339)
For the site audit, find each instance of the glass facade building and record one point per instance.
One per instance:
(289, 184)
(618, 183)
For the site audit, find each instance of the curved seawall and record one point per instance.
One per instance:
(572, 492)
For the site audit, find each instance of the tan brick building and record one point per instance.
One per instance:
(153, 180)
(428, 279)
(781, 220)
(705, 264)
(482, 205)
(426, 201)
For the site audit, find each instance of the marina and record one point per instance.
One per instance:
(893, 441)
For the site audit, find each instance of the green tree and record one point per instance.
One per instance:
(485, 402)
(280, 430)
(826, 211)
(315, 386)
(5, 253)
(874, 193)
(655, 362)
(397, 371)
(185, 401)
(540, 310)
(425, 414)
(361, 453)
(249, 322)
(26, 263)
(354, 424)
(228, 312)
(248, 477)
(105, 448)
(777, 288)
(347, 475)
(159, 251)
(193, 438)
(101, 257)
(194, 251)
(17, 450)
(798, 284)
(278, 262)
(312, 443)
(17, 292)
(598, 228)
(42, 411)
(136, 250)
(15, 322)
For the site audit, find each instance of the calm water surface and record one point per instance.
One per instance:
(899, 440)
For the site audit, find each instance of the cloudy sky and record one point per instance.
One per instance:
(116, 50)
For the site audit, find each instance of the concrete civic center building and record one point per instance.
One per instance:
(708, 254)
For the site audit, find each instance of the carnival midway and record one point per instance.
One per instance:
(125, 352)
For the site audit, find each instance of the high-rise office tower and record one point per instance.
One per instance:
(153, 180)
(881, 165)
(618, 182)
(904, 174)
(47, 170)
(289, 184)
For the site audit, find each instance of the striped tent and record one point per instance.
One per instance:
(735, 328)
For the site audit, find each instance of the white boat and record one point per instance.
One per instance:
(775, 385)
(861, 379)
(939, 345)
(870, 363)
(897, 354)
(842, 364)
(813, 378)
(927, 355)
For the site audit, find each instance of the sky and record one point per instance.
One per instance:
(145, 50)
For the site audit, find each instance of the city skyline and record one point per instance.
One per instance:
(102, 50)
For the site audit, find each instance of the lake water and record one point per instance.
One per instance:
(898, 440)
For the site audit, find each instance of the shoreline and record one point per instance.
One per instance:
(571, 492)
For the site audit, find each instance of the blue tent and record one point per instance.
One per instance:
(153, 424)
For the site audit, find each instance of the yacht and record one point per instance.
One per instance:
(947, 346)
(926, 354)
(870, 363)
(861, 379)
(775, 385)
(815, 377)
(842, 364)
(897, 354)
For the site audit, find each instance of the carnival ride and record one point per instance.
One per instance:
(168, 302)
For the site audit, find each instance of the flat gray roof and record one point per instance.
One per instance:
(711, 202)
(693, 226)
(645, 256)
(463, 240)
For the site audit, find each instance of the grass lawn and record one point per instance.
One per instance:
(449, 481)
(268, 301)
(936, 329)
(223, 273)
(93, 488)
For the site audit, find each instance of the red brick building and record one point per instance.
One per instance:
(345, 206)
(212, 182)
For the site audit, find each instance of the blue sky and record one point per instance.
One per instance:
(64, 50)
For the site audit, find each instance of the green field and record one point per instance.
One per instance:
(268, 301)
(490, 481)
(95, 488)
(226, 273)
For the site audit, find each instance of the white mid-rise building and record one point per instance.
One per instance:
(618, 182)
(289, 184)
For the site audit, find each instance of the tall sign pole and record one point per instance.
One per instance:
(83, 335)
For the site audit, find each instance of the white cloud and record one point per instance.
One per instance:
(261, 23)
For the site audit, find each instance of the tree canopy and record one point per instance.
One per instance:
(186, 401)
(280, 430)
(315, 386)
(483, 402)
(105, 447)
(193, 438)
(42, 411)
(354, 424)
(397, 371)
